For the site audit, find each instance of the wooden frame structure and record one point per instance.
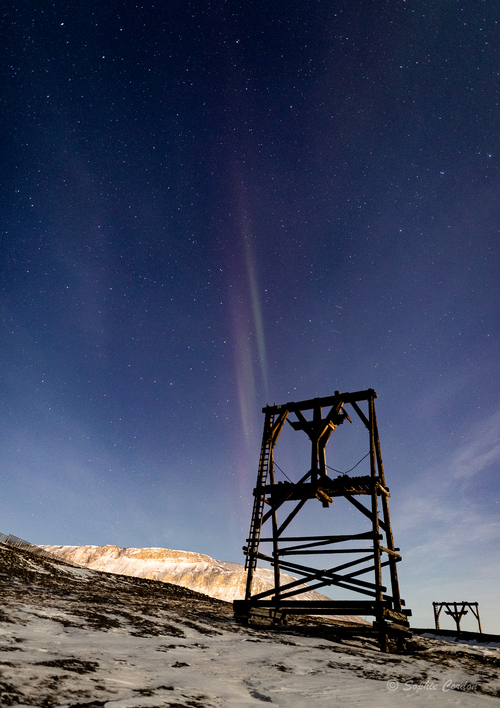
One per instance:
(368, 553)
(456, 610)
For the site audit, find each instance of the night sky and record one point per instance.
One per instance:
(208, 207)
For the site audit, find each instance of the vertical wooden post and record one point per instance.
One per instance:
(476, 613)
(436, 613)
(276, 563)
(315, 442)
(387, 519)
(376, 529)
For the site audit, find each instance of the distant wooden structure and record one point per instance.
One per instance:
(457, 610)
(365, 554)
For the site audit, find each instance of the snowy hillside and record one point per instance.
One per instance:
(75, 638)
(219, 579)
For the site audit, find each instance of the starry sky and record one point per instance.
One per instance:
(208, 207)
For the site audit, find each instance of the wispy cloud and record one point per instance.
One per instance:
(481, 448)
(441, 517)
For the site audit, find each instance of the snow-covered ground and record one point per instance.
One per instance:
(78, 637)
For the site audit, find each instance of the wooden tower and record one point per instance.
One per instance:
(457, 610)
(359, 559)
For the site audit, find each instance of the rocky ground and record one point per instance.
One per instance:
(77, 637)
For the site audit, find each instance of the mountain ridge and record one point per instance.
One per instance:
(222, 580)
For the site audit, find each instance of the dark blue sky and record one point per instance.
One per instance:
(208, 207)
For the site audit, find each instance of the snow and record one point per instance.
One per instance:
(460, 643)
(76, 637)
(223, 670)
